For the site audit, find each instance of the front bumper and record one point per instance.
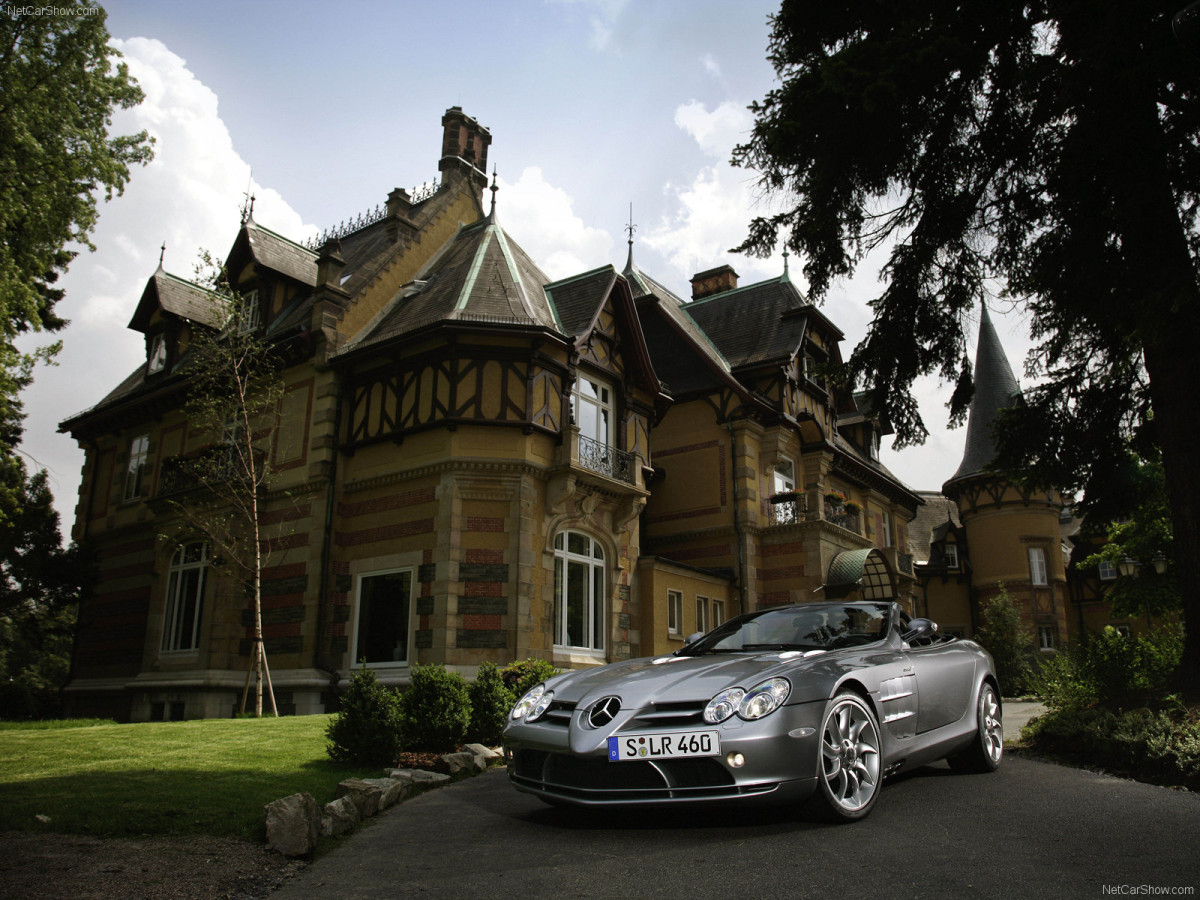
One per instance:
(569, 763)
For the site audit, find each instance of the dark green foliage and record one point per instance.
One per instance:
(367, 729)
(60, 82)
(1047, 152)
(1111, 669)
(1159, 745)
(40, 587)
(521, 676)
(1009, 641)
(435, 710)
(490, 705)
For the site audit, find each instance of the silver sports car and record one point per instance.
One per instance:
(820, 699)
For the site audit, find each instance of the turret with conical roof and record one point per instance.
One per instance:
(1012, 532)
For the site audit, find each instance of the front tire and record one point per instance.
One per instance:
(850, 767)
(987, 748)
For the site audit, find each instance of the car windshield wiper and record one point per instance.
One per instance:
(781, 647)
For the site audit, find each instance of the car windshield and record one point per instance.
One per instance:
(821, 626)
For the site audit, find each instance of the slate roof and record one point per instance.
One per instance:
(481, 275)
(995, 389)
(177, 296)
(758, 323)
(930, 524)
(577, 299)
(276, 252)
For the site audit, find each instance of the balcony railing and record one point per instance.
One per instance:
(185, 473)
(787, 509)
(618, 464)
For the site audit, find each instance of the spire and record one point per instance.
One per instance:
(629, 230)
(161, 253)
(493, 189)
(996, 388)
(786, 276)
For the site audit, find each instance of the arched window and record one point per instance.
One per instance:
(185, 593)
(578, 592)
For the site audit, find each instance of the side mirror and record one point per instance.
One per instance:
(919, 628)
(691, 639)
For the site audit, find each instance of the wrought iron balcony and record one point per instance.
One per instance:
(185, 473)
(787, 508)
(609, 461)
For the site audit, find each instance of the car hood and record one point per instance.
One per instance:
(668, 679)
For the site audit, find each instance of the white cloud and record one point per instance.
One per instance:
(603, 18)
(189, 197)
(713, 212)
(719, 131)
(541, 219)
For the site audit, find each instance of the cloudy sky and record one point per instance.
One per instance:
(321, 109)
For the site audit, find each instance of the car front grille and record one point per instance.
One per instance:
(599, 781)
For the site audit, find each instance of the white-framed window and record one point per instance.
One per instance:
(383, 618)
(1124, 630)
(702, 620)
(785, 477)
(136, 472)
(246, 314)
(674, 612)
(1107, 570)
(579, 579)
(185, 597)
(1037, 566)
(950, 554)
(156, 359)
(594, 410)
(887, 537)
(1047, 637)
(718, 612)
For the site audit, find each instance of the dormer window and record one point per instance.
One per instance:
(246, 315)
(950, 554)
(157, 357)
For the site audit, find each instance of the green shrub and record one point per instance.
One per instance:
(490, 704)
(1161, 745)
(520, 677)
(367, 729)
(1010, 642)
(1111, 668)
(435, 710)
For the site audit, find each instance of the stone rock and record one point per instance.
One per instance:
(341, 815)
(293, 824)
(423, 777)
(461, 762)
(366, 796)
(485, 752)
(392, 790)
(405, 776)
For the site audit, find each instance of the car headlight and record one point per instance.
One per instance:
(724, 705)
(764, 699)
(540, 707)
(528, 702)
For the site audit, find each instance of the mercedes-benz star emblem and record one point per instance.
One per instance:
(604, 711)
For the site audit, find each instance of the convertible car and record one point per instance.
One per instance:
(821, 700)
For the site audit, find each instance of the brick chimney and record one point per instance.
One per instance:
(464, 141)
(714, 281)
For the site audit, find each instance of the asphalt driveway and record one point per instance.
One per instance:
(1031, 829)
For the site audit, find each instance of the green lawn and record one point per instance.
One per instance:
(209, 776)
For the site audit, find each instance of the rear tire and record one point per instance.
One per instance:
(850, 770)
(987, 749)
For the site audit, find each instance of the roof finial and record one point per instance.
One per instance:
(629, 230)
(786, 276)
(493, 189)
(161, 253)
(248, 199)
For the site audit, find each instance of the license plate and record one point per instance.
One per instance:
(673, 745)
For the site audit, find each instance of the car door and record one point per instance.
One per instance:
(945, 674)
